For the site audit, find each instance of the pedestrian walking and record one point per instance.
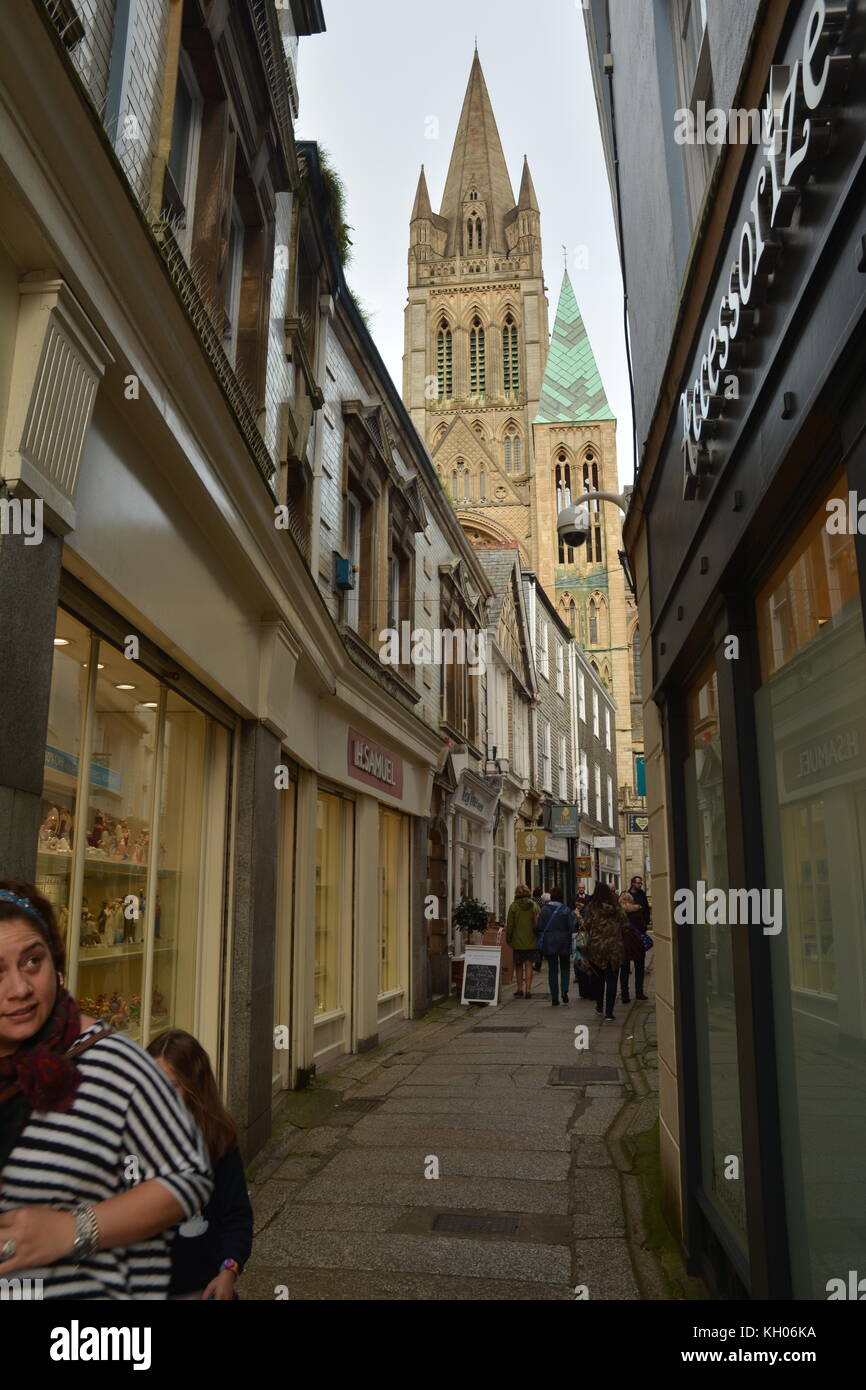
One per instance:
(605, 922)
(210, 1251)
(555, 929)
(635, 950)
(99, 1158)
(520, 934)
(637, 891)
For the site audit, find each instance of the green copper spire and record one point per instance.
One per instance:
(572, 389)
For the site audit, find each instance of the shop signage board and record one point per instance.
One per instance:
(481, 969)
(555, 847)
(604, 842)
(637, 825)
(564, 820)
(100, 775)
(374, 765)
(583, 867)
(830, 754)
(530, 844)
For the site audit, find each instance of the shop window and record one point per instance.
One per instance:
(333, 899)
(143, 825)
(468, 858)
(812, 764)
(713, 973)
(393, 895)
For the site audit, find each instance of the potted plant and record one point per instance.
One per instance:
(471, 915)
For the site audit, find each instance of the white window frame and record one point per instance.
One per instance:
(563, 774)
(546, 773)
(583, 783)
(543, 660)
(598, 805)
(185, 74)
(560, 670)
(610, 802)
(353, 555)
(607, 727)
(595, 725)
(581, 695)
(234, 277)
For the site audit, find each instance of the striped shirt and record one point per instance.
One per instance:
(127, 1125)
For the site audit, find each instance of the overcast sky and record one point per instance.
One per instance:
(369, 87)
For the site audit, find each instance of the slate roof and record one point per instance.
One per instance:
(498, 565)
(571, 391)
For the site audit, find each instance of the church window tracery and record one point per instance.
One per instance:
(511, 450)
(444, 364)
(563, 500)
(477, 358)
(510, 362)
(590, 484)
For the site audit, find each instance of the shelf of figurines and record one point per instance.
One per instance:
(126, 950)
(126, 1017)
(110, 841)
(95, 860)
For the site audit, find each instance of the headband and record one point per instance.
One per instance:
(26, 906)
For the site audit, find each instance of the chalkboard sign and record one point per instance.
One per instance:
(481, 968)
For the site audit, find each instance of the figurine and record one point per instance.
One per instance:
(139, 854)
(94, 839)
(48, 828)
(158, 1006)
(122, 840)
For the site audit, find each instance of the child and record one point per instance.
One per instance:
(211, 1249)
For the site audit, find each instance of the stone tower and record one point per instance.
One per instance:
(575, 451)
(476, 330)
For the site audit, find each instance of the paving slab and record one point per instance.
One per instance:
(537, 1165)
(268, 1200)
(478, 1194)
(376, 1133)
(605, 1267)
(597, 1117)
(346, 1285)
(440, 1255)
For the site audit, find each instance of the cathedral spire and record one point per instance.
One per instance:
(526, 197)
(477, 166)
(572, 390)
(422, 206)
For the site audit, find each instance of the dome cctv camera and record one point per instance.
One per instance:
(572, 526)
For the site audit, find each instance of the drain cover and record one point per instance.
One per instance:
(583, 1076)
(476, 1225)
(500, 1030)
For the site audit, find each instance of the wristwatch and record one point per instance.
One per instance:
(233, 1265)
(86, 1233)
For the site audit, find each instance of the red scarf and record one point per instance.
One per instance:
(39, 1070)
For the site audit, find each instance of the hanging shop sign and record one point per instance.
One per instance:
(564, 820)
(378, 767)
(796, 132)
(583, 867)
(530, 844)
(637, 825)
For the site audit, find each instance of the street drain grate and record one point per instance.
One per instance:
(583, 1076)
(476, 1225)
(363, 1103)
(500, 1030)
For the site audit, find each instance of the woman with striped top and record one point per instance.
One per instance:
(99, 1158)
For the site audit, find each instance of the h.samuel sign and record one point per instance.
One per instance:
(796, 134)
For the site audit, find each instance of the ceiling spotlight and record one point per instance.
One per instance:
(124, 687)
(61, 641)
(149, 704)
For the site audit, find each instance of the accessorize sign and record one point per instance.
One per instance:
(797, 133)
(377, 766)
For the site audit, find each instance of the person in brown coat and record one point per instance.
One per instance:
(605, 924)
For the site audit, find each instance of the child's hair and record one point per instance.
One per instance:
(190, 1064)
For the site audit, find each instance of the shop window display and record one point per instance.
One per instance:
(127, 898)
(333, 867)
(393, 895)
(812, 757)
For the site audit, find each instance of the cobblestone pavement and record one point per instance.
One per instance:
(547, 1181)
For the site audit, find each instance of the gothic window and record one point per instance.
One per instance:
(477, 360)
(510, 364)
(482, 485)
(593, 624)
(444, 368)
(511, 451)
(563, 500)
(474, 233)
(568, 613)
(590, 484)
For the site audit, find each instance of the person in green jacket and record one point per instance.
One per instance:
(520, 934)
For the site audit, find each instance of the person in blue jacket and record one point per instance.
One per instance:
(211, 1249)
(556, 926)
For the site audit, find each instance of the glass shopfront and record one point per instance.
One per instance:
(334, 873)
(468, 857)
(393, 896)
(500, 871)
(132, 836)
(811, 724)
(713, 979)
